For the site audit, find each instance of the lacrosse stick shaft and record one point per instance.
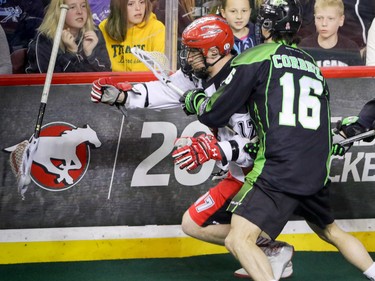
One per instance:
(51, 66)
(358, 137)
(174, 88)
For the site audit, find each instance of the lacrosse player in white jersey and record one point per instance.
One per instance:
(205, 63)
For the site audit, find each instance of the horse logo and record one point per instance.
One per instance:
(62, 156)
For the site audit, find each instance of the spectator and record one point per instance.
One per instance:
(5, 64)
(237, 13)
(358, 18)
(99, 9)
(327, 46)
(370, 49)
(131, 23)
(20, 19)
(82, 47)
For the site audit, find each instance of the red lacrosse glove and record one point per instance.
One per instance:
(106, 90)
(193, 152)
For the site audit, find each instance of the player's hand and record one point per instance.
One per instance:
(345, 128)
(106, 90)
(350, 126)
(252, 148)
(338, 150)
(191, 100)
(193, 152)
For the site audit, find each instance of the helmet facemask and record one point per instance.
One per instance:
(197, 57)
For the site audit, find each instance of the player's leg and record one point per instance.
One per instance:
(215, 233)
(207, 219)
(317, 212)
(349, 246)
(241, 242)
(258, 207)
(278, 253)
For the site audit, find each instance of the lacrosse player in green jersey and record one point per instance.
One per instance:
(288, 99)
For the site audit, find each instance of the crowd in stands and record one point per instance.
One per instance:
(98, 35)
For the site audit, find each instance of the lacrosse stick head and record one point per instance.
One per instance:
(157, 62)
(20, 162)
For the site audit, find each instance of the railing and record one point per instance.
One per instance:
(88, 77)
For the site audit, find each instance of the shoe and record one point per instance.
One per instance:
(288, 271)
(221, 174)
(279, 255)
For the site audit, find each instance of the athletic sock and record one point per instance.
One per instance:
(370, 272)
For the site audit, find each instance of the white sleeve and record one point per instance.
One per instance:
(233, 150)
(156, 95)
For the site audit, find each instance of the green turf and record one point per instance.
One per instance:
(307, 266)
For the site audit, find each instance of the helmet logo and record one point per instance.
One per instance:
(226, 46)
(287, 26)
(209, 32)
(278, 2)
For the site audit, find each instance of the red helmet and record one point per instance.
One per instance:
(207, 32)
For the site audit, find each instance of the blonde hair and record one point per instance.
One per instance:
(330, 3)
(51, 19)
(117, 22)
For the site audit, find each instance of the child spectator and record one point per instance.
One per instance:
(328, 47)
(237, 13)
(370, 49)
(99, 9)
(82, 48)
(358, 18)
(131, 23)
(5, 64)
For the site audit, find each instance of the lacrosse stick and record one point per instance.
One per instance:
(21, 157)
(158, 63)
(357, 137)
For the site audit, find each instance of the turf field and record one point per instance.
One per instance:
(322, 266)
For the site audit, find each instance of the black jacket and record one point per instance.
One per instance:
(39, 52)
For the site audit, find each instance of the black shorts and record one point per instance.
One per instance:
(270, 209)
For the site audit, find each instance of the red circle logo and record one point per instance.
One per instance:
(62, 156)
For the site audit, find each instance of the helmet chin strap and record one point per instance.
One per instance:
(203, 73)
(212, 64)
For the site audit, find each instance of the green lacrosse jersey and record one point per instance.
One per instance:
(288, 99)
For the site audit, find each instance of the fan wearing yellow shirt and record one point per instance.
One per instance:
(131, 23)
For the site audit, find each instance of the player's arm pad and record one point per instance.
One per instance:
(233, 150)
(137, 97)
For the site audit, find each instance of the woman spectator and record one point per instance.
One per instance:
(82, 47)
(131, 23)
